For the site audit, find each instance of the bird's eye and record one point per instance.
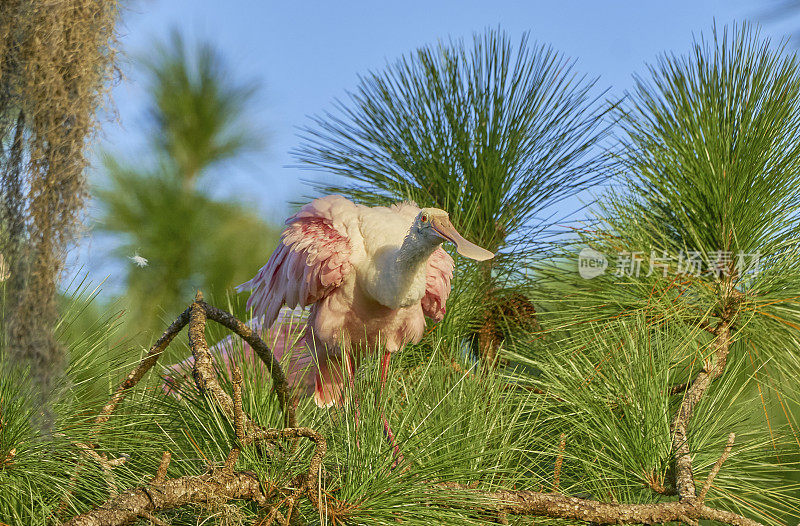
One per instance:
(424, 218)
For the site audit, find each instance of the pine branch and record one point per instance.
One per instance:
(144, 366)
(717, 467)
(554, 505)
(559, 462)
(105, 464)
(681, 387)
(203, 366)
(163, 466)
(194, 315)
(214, 487)
(712, 369)
(133, 378)
(220, 485)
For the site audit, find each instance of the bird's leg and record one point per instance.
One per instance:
(398, 456)
(385, 368)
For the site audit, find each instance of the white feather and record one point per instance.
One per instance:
(138, 260)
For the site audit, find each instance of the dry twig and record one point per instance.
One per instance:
(161, 474)
(145, 365)
(656, 483)
(106, 465)
(559, 461)
(717, 467)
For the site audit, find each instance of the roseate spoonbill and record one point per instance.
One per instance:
(370, 276)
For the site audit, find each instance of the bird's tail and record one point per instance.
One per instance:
(328, 381)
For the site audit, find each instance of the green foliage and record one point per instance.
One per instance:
(180, 233)
(443, 434)
(493, 133)
(608, 391)
(197, 109)
(711, 148)
(707, 163)
(36, 467)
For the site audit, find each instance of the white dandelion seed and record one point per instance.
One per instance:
(139, 260)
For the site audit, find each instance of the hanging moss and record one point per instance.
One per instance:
(56, 60)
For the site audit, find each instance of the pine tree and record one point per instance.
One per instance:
(171, 229)
(495, 132)
(690, 333)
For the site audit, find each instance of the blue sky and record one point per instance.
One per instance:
(307, 53)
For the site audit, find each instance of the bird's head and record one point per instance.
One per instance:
(434, 224)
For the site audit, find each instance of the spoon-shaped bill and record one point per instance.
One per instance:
(445, 229)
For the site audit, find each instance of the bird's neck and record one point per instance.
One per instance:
(402, 278)
(414, 252)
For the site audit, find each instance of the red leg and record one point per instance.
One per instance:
(385, 368)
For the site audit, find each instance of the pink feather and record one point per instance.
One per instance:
(313, 251)
(437, 284)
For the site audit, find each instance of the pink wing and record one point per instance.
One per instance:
(437, 288)
(311, 260)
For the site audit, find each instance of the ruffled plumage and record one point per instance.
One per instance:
(327, 252)
(311, 260)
